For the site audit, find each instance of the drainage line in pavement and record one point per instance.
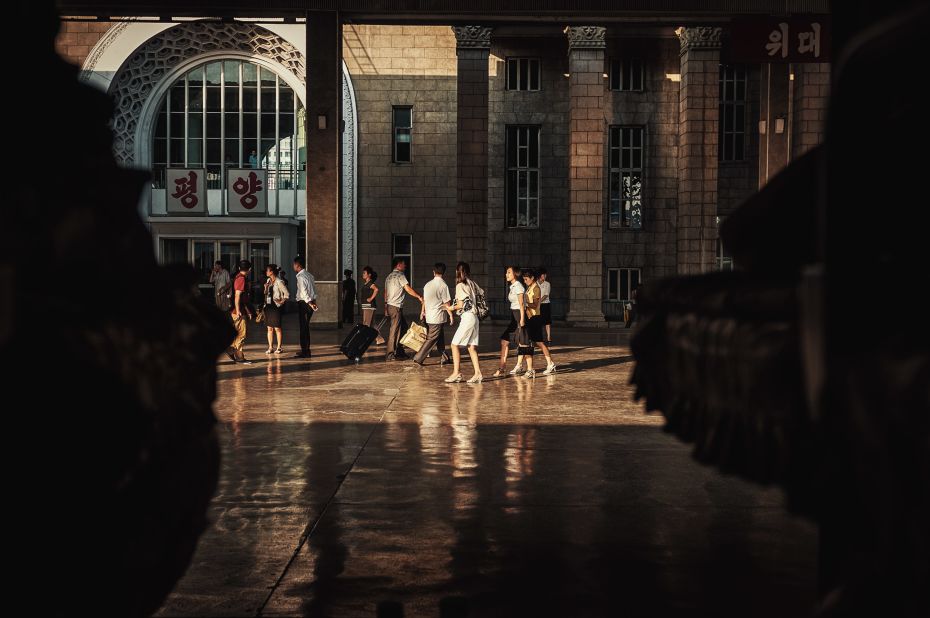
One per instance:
(308, 531)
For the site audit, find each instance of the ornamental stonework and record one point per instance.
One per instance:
(700, 37)
(586, 37)
(472, 37)
(157, 57)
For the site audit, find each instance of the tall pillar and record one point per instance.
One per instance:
(698, 122)
(811, 86)
(586, 49)
(324, 160)
(775, 111)
(472, 47)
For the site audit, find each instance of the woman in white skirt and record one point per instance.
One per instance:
(466, 294)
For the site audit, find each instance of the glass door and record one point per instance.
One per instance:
(260, 256)
(230, 254)
(204, 257)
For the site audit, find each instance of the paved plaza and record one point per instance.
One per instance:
(352, 490)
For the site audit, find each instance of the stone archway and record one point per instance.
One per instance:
(155, 60)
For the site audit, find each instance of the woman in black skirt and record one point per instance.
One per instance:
(275, 295)
(516, 330)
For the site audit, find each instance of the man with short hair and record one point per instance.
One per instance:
(436, 303)
(240, 306)
(219, 277)
(396, 288)
(306, 305)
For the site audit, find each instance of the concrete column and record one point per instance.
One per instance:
(472, 47)
(586, 49)
(324, 160)
(775, 111)
(698, 122)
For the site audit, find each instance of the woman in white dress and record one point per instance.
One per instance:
(466, 294)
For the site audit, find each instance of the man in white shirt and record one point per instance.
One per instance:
(435, 311)
(306, 305)
(396, 288)
(546, 305)
(219, 277)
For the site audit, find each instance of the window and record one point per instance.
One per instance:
(174, 251)
(522, 74)
(621, 282)
(229, 114)
(724, 257)
(626, 74)
(402, 244)
(522, 176)
(626, 178)
(403, 124)
(732, 113)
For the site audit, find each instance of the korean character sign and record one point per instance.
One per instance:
(246, 191)
(185, 191)
(779, 40)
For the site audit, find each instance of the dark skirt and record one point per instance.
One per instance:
(546, 309)
(514, 334)
(536, 329)
(272, 316)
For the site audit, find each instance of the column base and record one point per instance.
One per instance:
(583, 318)
(329, 300)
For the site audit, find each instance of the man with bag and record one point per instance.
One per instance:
(436, 303)
(396, 288)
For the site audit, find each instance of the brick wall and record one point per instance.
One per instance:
(811, 88)
(655, 109)
(547, 245)
(77, 38)
(405, 65)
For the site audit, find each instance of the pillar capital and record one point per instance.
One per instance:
(700, 37)
(586, 37)
(472, 37)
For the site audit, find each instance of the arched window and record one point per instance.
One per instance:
(231, 114)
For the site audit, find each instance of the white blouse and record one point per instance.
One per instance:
(516, 288)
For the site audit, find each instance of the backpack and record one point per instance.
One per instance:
(481, 301)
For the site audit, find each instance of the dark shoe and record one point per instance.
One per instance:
(245, 361)
(302, 355)
(231, 355)
(416, 362)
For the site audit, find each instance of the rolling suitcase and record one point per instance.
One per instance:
(357, 341)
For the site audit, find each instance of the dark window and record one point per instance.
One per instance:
(403, 125)
(621, 282)
(626, 74)
(522, 176)
(522, 74)
(625, 153)
(402, 244)
(732, 113)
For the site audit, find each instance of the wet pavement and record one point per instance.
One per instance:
(348, 489)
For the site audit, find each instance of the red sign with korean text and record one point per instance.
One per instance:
(775, 39)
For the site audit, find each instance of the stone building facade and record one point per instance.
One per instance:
(624, 123)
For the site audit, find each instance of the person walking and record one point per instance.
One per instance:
(275, 296)
(396, 288)
(516, 330)
(219, 277)
(240, 309)
(546, 304)
(348, 298)
(306, 305)
(466, 336)
(631, 316)
(369, 298)
(436, 302)
(535, 324)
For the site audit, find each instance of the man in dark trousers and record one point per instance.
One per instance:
(348, 298)
(306, 305)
